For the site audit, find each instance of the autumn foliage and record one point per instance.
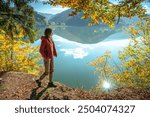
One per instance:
(103, 10)
(134, 69)
(17, 55)
(17, 28)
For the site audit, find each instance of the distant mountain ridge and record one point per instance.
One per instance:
(64, 17)
(76, 20)
(40, 20)
(46, 15)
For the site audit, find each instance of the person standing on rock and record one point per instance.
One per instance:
(47, 51)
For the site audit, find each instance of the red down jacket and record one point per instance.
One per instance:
(45, 49)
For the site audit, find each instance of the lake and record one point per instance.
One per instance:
(77, 46)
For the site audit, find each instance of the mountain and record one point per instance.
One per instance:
(64, 17)
(76, 20)
(80, 31)
(47, 15)
(130, 21)
(40, 20)
(85, 34)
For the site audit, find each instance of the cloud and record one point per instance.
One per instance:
(55, 10)
(80, 51)
(44, 0)
(77, 53)
(148, 9)
(59, 8)
(47, 8)
(147, 6)
(115, 43)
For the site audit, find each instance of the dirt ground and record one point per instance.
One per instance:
(22, 86)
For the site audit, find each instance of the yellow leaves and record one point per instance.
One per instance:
(134, 31)
(137, 67)
(102, 67)
(97, 69)
(90, 24)
(102, 10)
(18, 55)
(126, 75)
(147, 49)
(134, 69)
(130, 63)
(85, 17)
(141, 74)
(102, 59)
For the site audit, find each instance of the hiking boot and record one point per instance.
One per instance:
(51, 84)
(38, 82)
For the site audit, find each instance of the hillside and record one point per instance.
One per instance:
(22, 86)
(85, 34)
(76, 20)
(46, 15)
(40, 20)
(64, 17)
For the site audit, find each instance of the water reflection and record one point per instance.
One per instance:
(80, 51)
(85, 34)
(71, 65)
(77, 46)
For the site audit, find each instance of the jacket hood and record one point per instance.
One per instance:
(43, 37)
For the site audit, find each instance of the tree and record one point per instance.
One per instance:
(17, 15)
(24, 58)
(134, 69)
(103, 10)
(17, 22)
(136, 57)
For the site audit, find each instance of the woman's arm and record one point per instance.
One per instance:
(54, 50)
(42, 49)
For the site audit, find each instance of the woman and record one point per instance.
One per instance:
(48, 51)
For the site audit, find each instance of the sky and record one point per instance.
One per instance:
(147, 6)
(45, 8)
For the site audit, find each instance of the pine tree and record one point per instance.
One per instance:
(17, 23)
(16, 15)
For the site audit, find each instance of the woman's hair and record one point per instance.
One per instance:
(47, 32)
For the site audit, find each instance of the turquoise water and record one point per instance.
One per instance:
(71, 65)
